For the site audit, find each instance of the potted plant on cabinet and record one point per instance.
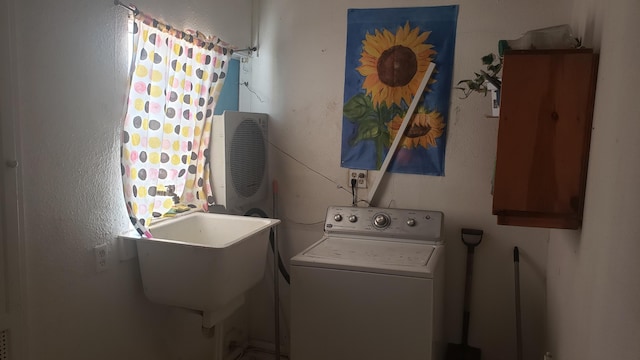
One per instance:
(486, 81)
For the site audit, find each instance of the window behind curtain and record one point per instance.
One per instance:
(228, 99)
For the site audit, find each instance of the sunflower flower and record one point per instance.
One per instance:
(394, 64)
(424, 128)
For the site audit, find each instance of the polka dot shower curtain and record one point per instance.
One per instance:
(175, 82)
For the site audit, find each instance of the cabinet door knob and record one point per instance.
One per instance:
(12, 164)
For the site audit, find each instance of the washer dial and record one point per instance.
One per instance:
(381, 220)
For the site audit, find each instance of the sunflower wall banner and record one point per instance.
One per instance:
(388, 53)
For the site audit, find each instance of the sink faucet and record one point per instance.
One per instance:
(170, 190)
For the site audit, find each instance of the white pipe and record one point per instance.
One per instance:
(400, 134)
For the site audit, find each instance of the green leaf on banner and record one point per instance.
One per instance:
(386, 114)
(358, 108)
(366, 130)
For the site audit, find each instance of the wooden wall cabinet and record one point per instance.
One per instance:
(543, 137)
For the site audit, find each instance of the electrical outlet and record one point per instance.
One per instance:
(102, 253)
(360, 176)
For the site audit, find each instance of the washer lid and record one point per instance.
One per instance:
(380, 256)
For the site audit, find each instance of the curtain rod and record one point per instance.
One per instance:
(249, 49)
(135, 11)
(129, 7)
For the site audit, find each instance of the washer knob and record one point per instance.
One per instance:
(353, 218)
(337, 217)
(381, 221)
(411, 222)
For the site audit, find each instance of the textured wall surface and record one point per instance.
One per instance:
(593, 285)
(72, 81)
(299, 77)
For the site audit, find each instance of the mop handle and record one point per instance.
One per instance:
(516, 264)
(276, 285)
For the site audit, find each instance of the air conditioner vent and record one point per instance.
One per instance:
(247, 158)
(238, 158)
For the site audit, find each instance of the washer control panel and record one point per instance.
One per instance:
(422, 225)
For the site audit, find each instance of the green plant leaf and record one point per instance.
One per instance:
(493, 80)
(478, 84)
(488, 59)
(494, 68)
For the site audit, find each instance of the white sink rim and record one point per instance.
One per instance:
(258, 223)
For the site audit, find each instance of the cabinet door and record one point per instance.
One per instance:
(543, 138)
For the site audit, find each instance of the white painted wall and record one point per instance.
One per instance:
(299, 74)
(72, 79)
(593, 285)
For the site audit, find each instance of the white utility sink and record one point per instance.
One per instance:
(204, 262)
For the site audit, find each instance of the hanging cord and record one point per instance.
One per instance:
(246, 84)
(281, 267)
(314, 171)
(354, 197)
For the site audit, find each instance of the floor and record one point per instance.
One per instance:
(259, 355)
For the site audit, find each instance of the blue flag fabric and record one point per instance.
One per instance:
(388, 53)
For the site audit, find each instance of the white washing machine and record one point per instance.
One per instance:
(371, 288)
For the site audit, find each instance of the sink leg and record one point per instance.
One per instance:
(212, 318)
(213, 324)
(218, 340)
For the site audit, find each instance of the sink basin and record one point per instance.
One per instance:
(203, 261)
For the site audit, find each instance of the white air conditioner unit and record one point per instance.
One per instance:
(238, 154)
